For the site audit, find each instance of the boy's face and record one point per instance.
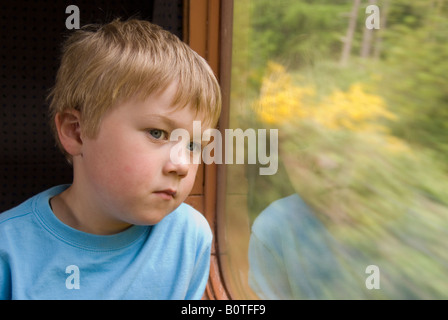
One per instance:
(126, 173)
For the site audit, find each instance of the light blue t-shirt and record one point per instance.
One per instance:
(42, 258)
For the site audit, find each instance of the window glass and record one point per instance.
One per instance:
(344, 107)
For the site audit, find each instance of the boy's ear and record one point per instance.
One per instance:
(68, 125)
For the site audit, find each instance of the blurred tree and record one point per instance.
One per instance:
(297, 33)
(367, 37)
(348, 39)
(415, 72)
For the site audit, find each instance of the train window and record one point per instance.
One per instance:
(341, 189)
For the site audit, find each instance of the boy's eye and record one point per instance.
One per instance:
(158, 134)
(194, 147)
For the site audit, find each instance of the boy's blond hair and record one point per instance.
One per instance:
(104, 64)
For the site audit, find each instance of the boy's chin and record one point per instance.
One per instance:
(153, 218)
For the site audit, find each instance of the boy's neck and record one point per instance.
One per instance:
(72, 214)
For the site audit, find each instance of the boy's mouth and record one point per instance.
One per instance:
(166, 194)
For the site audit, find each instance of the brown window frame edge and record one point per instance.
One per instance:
(207, 28)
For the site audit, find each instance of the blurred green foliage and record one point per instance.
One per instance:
(415, 75)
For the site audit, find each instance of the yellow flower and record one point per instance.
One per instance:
(280, 100)
(354, 110)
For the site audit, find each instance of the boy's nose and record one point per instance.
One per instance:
(180, 169)
(178, 161)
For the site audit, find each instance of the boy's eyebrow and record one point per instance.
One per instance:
(166, 120)
(172, 124)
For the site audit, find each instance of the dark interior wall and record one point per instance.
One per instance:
(30, 39)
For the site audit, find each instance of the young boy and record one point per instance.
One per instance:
(121, 229)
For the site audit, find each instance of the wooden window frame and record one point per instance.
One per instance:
(207, 28)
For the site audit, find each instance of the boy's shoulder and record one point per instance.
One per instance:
(186, 218)
(21, 210)
(26, 208)
(187, 212)
(16, 223)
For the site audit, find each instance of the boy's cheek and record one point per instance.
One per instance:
(191, 178)
(194, 170)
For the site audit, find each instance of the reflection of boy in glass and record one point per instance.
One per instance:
(291, 254)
